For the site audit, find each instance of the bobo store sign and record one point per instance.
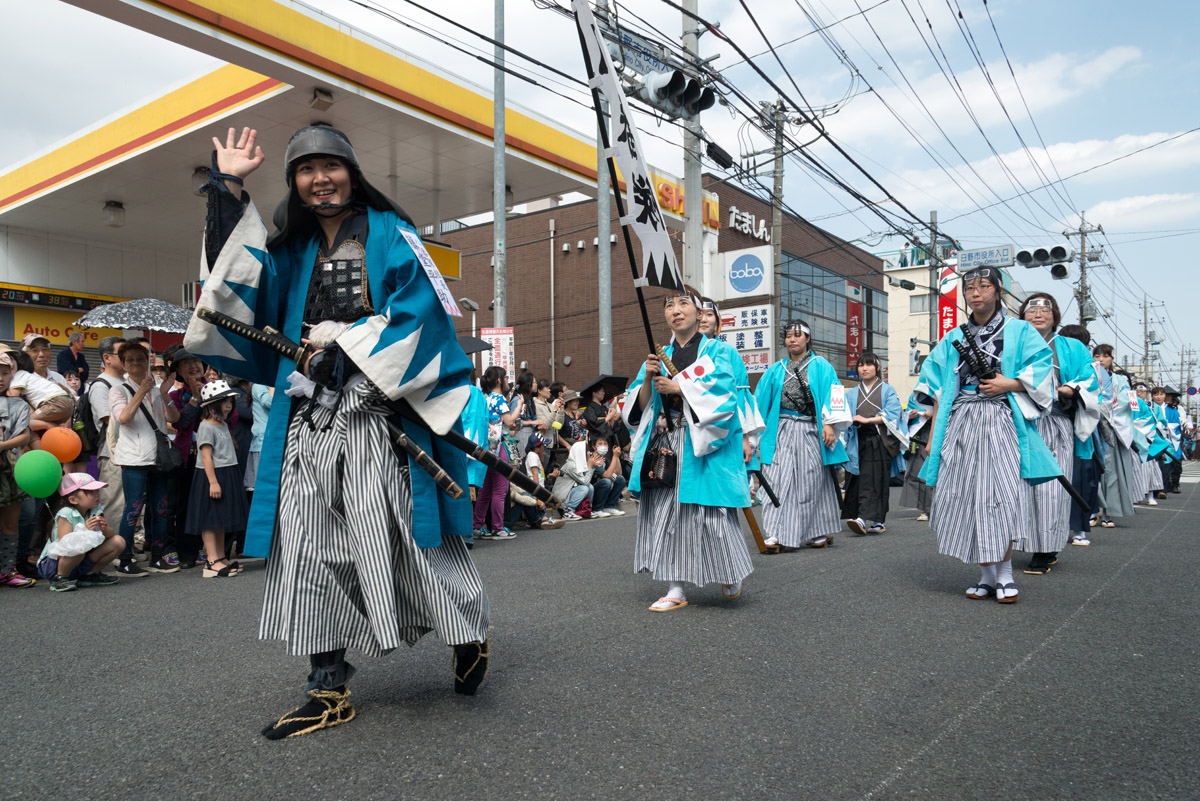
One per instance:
(56, 326)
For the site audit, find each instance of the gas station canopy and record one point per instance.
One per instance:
(423, 136)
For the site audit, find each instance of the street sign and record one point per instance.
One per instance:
(1191, 390)
(996, 256)
(638, 54)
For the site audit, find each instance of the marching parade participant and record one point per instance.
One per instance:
(748, 414)
(804, 408)
(1148, 446)
(1173, 470)
(1085, 472)
(985, 451)
(873, 448)
(1116, 429)
(916, 493)
(365, 553)
(689, 466)
(1066, 429)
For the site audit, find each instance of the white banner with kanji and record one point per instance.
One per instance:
(642, 214)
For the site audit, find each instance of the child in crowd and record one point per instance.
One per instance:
(81, 539)
(52, 404)
(574, 484)
(14, 435)
(71, 377)
(217, 503)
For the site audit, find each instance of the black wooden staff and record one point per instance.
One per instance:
(277, 342)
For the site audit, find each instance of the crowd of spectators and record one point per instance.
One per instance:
(575, 449)
(170, 455)
(161, 434)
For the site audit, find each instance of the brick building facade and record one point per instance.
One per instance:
(531, 248)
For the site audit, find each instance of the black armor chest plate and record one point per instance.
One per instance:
(339, 290)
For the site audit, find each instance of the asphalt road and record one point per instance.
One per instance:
(856, 672)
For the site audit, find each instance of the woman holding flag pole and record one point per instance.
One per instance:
(688, 530)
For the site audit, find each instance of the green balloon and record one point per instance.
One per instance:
(38, 473)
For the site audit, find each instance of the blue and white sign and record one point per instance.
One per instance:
(745, 273)
(640, 55)
(996, 256)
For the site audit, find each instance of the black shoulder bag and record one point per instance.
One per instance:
(166, 455)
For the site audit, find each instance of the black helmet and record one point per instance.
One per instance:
(291, 217)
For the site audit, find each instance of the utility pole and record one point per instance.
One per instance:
(603, 227)
(499, 180)
(935, 284)
(693, 197)
(1146, 339)
(1081, 296)
(778, 118)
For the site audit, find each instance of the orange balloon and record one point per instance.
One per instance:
(62, 443)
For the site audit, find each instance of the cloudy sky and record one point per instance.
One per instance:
(900, 87)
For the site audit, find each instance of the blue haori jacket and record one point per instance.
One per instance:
(748, 415)
(892, 413)
(828, 399)
(475, 428)
(407, 349)
(1148, 442)
(1027, 358)
(1075, 371)
(712, 472)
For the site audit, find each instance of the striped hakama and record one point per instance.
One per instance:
(1138, 477)
(1116, 485)
(686, 541)
(916, 493)
(981, 505)
(1051, 503)
(1152, 475)
(808, 503)
(344, 570)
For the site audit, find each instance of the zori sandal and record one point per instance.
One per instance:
(665, 604)
(981, 591)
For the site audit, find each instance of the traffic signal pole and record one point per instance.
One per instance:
(693, 198)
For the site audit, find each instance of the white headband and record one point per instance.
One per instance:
(1041, 303)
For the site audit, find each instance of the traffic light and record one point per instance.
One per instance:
(1056, 257)
(675, 93)
(915, 360)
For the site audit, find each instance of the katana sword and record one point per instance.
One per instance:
(278, 343)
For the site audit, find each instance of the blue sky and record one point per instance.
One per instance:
(1101, 79)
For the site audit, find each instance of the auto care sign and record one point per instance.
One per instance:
(947, 302)
(854, 328)
(502, 353)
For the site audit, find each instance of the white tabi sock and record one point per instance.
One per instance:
(676, 591)
(1004, 573)
(988, 575)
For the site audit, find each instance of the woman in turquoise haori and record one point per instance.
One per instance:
(365, 552)
(918, 416)
(1066, 428)
(875, 445)
(1150, 442)
(688, 531)
(1116, 430)
(748, 415)
(804, 407)
(985, 452)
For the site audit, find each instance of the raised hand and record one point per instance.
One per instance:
(239, 155)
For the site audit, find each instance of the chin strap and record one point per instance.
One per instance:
(327, 206)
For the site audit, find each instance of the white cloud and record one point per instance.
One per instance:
(1146, 211)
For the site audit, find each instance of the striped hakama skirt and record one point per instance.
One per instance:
(1138, 477)
(686, 541)
(1116, 485)
(1152, 475)
(1051, 503)
(981, 505)
(916, 493)
(808, 503)
(344, 570)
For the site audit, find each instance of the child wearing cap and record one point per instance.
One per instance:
(14, 435)
(80, 539)
(217, 502)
